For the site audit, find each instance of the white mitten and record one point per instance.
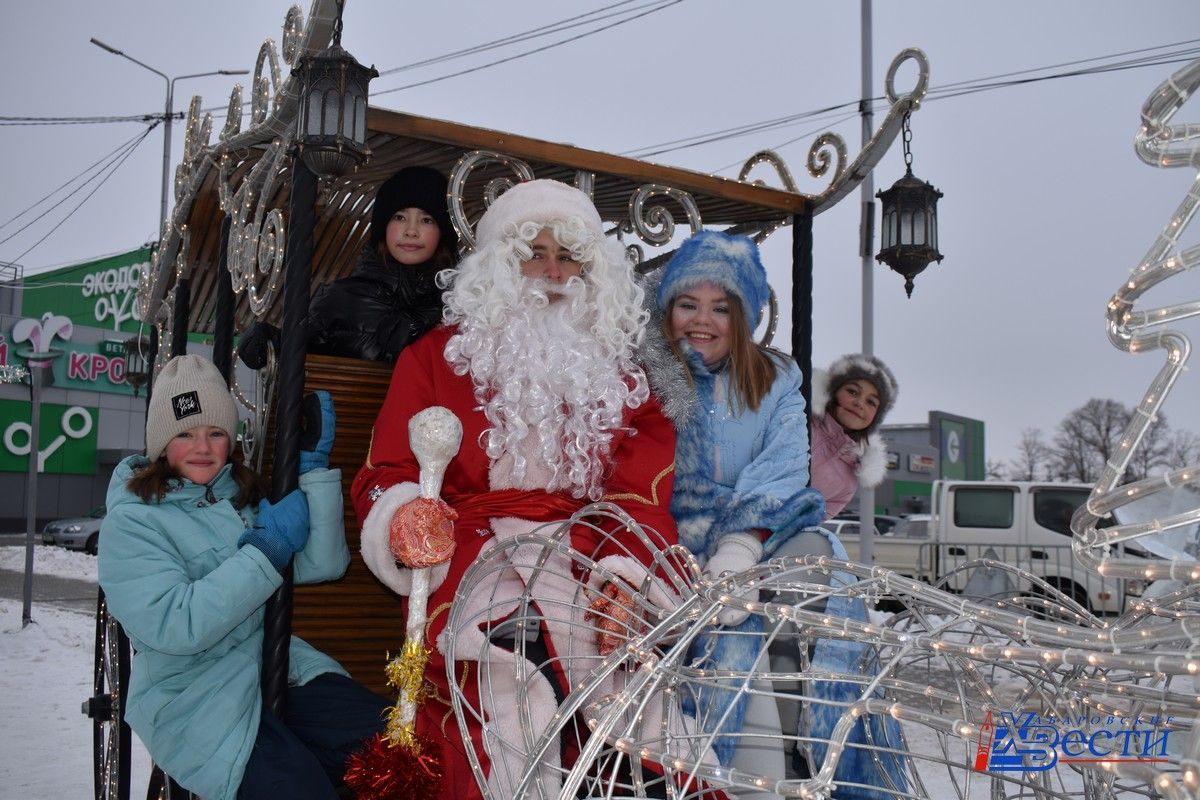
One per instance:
(735, 552)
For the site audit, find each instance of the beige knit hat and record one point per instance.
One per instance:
(189, 392)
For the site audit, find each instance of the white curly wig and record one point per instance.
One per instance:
(529, 358)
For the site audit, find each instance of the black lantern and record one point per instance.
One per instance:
(331, 132)
(909, 222)
(137, 374)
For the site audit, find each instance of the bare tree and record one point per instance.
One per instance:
(1183, 449)
(1087, 439)
(1033, 457)
(996, 470)
(1152, 453)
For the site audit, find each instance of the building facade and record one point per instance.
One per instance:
(90, 417)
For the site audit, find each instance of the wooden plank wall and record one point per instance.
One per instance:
(357, 620)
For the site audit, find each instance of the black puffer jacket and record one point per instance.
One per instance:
(375, 312)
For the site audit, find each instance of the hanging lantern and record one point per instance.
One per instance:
(909, 222)
(137, 373)
(331, 132)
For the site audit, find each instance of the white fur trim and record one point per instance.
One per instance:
(504, 702)
(820, 392)
(872, 466)
(537, 201)
(374, 541)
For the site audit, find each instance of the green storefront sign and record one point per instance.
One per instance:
(960, 445)
(97, 367)
(97, 294)
(66, 438)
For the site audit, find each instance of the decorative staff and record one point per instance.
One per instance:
(398, 764)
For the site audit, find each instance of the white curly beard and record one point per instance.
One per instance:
(552, 394)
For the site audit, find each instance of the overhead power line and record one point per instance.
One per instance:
(532, 33)
(11, 121)
(656, 7)
(111, 168)
(111, 154)
(1176, 52)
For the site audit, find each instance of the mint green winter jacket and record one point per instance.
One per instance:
(191, 602)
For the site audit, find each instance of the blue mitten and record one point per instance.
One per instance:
(317, 439)
(280, 530)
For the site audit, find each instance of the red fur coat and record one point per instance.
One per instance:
(640, 482)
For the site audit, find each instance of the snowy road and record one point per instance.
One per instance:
(51, 590)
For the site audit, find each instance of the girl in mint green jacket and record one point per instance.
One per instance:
(187, 563)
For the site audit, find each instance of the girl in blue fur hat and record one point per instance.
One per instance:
(741, 466)
(742, 493)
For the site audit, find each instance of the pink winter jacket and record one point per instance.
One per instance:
(839, 464)
(835, 462)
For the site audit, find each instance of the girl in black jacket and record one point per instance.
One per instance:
(392, 297)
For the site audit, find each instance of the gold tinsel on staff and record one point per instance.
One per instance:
(399, 764)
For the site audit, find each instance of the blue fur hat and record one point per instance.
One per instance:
(731, 262)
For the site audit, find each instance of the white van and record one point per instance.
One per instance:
(1020, 523)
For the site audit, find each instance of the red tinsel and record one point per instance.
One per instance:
(383, 771)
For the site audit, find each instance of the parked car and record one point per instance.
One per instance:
(75, 533)
(914, 526)
(883, 522)
(841, 527)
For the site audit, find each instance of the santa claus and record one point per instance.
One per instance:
(538, 359)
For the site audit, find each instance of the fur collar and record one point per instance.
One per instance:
(667, 376)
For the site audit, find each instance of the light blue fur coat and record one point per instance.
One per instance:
(736, 470)
(740, 470)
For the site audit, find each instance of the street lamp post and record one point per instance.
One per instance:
(168, 115)
(37, 365)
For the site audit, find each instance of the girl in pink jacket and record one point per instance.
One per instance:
(849, 403)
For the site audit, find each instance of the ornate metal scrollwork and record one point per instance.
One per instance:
(164, 321)
(458, 181)
(233, 114)
(772, 318)
(256, 245)
(256, 235)
(254, 434)
(183, 267)
(655, 224)
(776, 161)
(261, 87)
(828, 151)
(195, 141)
(585, 182)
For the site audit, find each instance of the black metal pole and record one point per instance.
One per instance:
(290, 387)
(223, 325)
(180, 314)
(151, 359)
(802, 301)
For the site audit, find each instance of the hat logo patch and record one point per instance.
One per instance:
(186, 404)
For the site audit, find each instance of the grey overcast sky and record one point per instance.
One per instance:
(1046, 206)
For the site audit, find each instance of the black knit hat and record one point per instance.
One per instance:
(413, 187)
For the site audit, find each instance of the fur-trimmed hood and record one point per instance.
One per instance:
(872, 451)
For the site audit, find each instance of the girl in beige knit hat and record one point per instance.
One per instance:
(188, 557)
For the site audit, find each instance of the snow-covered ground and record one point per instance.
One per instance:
(51, 560)
(45, 675)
